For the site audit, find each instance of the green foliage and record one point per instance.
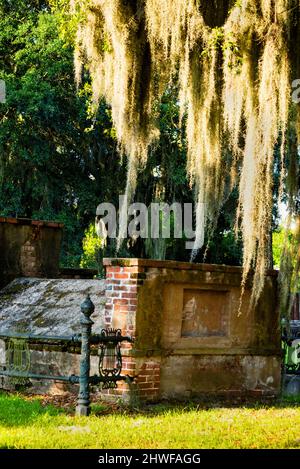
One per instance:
(92, 249)
(55, 160)
(68, 19)
(58, 160)
(278, 246)
(281, 245)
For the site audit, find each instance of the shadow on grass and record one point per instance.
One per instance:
(15, 411)
(208, 404)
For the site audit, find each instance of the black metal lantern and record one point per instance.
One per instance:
(110, 361)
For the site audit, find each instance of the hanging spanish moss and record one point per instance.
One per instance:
(234, 61)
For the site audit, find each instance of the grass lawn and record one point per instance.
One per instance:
(29, 423)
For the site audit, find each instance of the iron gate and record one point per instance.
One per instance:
(110, 357)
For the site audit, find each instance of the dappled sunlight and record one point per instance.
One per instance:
(25, 423)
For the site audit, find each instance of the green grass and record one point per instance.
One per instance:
(26, 423)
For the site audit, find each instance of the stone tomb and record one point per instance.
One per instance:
(29, 248)
(190, 339)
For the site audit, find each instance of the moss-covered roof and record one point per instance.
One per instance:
(46, 306)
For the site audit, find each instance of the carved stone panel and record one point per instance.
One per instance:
(205, 313)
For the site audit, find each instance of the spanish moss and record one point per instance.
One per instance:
(234, 62)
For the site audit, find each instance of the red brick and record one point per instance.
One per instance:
(147, 370)
(144, 386)
(120, 301)
(121, 276)
(134, 270)
(9, 220)
(135, 282)
(128, 295)
(133, 301)
(130, 366)
(151, 365)
(146, 373)
(120, 309)
(122, 288)
(141, 379)
(112, 294)
(153, 378)
(113, 269)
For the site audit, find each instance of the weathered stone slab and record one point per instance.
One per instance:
(49, 307)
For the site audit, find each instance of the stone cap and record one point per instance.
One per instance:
(175, 265)
(28, 221)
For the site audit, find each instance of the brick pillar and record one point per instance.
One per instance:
(148, 379)
(124, 278)
(122, 284)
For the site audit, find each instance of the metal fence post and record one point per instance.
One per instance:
(83, 401)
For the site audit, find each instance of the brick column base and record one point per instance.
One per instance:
(122, 288)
